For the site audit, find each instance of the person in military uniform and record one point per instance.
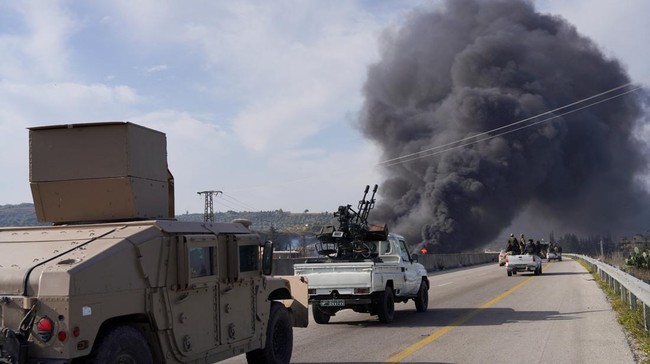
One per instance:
(530, 247)
(513, 245)
(522, 244)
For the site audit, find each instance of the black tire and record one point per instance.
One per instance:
(509, 273)
(386, 306)
(279, 339)
(514, 272)
(122, 345)
(422, 299)
(320, 316)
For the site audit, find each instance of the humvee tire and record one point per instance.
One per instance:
(279, 339)
(320, 316)
(422, 299)
(123, 345)
(386, 305)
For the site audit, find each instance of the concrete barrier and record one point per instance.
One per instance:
(432, 262)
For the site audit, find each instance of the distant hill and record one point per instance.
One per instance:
(18, 215)
(264, 220)
(286, 229)
(25, 215)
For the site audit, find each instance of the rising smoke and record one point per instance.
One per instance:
(474, 66)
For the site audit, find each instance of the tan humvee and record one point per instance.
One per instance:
(117, 280)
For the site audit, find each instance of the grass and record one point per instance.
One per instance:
(630, 319)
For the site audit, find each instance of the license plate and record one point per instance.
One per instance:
(332, 303)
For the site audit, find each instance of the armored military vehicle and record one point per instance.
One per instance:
(116, 279)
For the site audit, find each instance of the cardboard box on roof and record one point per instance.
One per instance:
(99, 172)
(99, 150)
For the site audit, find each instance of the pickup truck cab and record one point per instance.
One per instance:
(370, 285)
(523, 263)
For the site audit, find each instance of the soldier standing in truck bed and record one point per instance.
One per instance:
(522, 244)
(513, 245)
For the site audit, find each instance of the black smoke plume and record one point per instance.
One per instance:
(473, 66)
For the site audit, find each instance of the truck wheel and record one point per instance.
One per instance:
(279, 339)
(320, 316)
(386, 306)
(509, 273)
(422, 299)
(122, 345)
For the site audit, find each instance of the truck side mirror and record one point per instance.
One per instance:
(414, 258)
(267, 258)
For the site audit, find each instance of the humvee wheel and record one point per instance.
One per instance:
(122, 345)
(279, 339)
(320, 316)
(422, 299)
(386, 305)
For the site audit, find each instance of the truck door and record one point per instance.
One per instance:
(411, 277)
(238, 306)
(194, 318)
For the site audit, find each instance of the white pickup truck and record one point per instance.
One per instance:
(370, 285)
(523, 263)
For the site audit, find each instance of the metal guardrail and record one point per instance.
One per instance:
(633, 291)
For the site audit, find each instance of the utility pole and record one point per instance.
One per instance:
(208, 211)
(602, 252)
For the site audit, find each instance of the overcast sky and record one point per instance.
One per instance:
(258, 99)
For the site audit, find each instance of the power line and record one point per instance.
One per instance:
(452, 145)
(396, 161)
(238, 202)
(519, 122)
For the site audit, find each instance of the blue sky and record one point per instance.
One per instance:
(257, 98)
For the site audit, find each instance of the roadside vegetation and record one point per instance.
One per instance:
(631, 319)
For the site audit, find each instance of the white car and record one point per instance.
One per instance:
(502, 257)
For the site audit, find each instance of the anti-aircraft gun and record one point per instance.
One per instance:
(354, 237)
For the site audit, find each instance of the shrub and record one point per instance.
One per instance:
(639, 258)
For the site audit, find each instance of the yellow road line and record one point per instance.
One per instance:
(436, 335)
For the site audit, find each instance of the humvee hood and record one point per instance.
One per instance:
(25, 249)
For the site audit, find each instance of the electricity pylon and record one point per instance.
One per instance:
(208, 212)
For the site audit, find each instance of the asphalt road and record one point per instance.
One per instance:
(479, 315)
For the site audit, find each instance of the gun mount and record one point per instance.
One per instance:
(354, 239)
